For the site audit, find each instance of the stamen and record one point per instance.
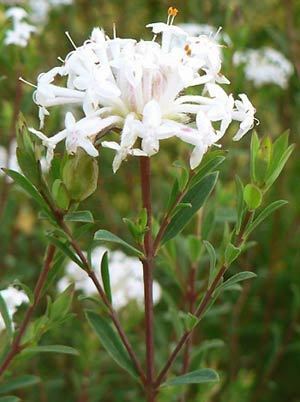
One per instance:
(188, 50)
(60, 59)
(27, 82)
(154, 38)
(114, 30)
(172, 12)
(70, 39)
(217, 33)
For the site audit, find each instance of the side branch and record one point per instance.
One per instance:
(16, 346)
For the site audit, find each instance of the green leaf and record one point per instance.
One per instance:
(196, 196)
(263, 215)
(60, 194)
(239, 203)
(111, 342)
(52, 349)
(231, 254)
(194, 377)
(9, 398)
(19, 383)
(65, 249)
(79, 216)
(194, 247)
(6, 317)
(254, 147)
(276, 169)
(212, 260)
(241, 276)
(105, 276)
(252, 196)
(61, 306)
(189, 320)
(105, 235)
(29, 188)
(209, 163)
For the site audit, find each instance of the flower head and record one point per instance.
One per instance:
(139, 88)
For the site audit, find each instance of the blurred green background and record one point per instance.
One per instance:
(255, 333)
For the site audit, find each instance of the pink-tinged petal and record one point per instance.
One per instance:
(69, 121)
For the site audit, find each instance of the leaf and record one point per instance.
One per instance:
(239, 203)
(105, 235)
(9, 398)
(30, 189)
(263, 215)
(196, 196)
(63, 247)
(194, 377)
(254, 147)
(79, 216)
(6, 317)
(252, 196)
(241, 276)
(276, 170)
(209, 163)
(212, 259)
(61, 306)
(105, 276)
(231, 253)
(52, 349)
(111, 342)
(19, 383)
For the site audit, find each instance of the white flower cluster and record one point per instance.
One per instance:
(194, 29)
(13, 299)
(139, 87)
(126, 277)
(39, 9)
(265, 66)
(20, 34)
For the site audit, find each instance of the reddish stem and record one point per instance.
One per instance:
(16, 346)
(145, 173)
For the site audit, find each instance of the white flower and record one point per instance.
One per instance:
(126, 278)
(244, 113)
(76, 134)
(140, 86)
(194, 29)
(265, 66)
(21, 32)
(13, 299)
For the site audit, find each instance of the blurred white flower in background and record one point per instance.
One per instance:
(21, 31)
(265, 66)
(194, 29)
(126, 278)
(40, 9)
(8, 159)
(138, 88)
(13, 298)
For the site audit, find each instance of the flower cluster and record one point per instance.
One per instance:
(13, 298)
(265, 66)
(139, 88)
(126, 278)
(39, 10)
(20, 34)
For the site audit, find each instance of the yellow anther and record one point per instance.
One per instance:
(172, 11)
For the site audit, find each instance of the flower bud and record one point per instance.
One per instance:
(80, 175)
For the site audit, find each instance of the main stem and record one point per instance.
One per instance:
(145, 173)
(16, 346)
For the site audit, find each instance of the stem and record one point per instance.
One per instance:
(145, 173)
(113, 315)
(203, 304)
(16, 347)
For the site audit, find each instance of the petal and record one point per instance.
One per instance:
(152, 114)
(88, 146)
(69, 121)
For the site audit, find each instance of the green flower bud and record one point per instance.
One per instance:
(80, 175)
